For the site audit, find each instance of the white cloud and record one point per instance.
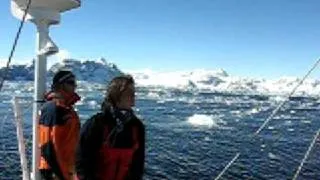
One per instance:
(59, 57)
(63, 54)
(3, 62)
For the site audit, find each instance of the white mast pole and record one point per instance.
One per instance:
(39, 91)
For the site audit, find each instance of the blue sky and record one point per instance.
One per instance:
(270, 38)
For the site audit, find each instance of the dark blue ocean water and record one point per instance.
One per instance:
(192, 135)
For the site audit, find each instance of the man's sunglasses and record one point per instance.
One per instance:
(71, 82)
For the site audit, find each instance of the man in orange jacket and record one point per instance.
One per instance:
(59, 128)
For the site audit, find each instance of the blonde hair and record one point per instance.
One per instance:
(115, 90)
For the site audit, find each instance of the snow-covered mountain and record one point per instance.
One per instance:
(19, 72)
(220, 81)
(100, 71)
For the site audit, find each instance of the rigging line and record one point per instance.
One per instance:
(15, 44)
(276, 138)
(306, 155)
(270, 117)
(227, 166)
(291, 93)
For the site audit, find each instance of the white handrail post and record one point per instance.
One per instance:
(21, 142)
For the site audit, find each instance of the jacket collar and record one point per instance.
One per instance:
(63, 98)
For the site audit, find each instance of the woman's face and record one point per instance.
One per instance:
(127, 100)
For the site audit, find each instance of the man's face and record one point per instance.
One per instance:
(70, 85)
